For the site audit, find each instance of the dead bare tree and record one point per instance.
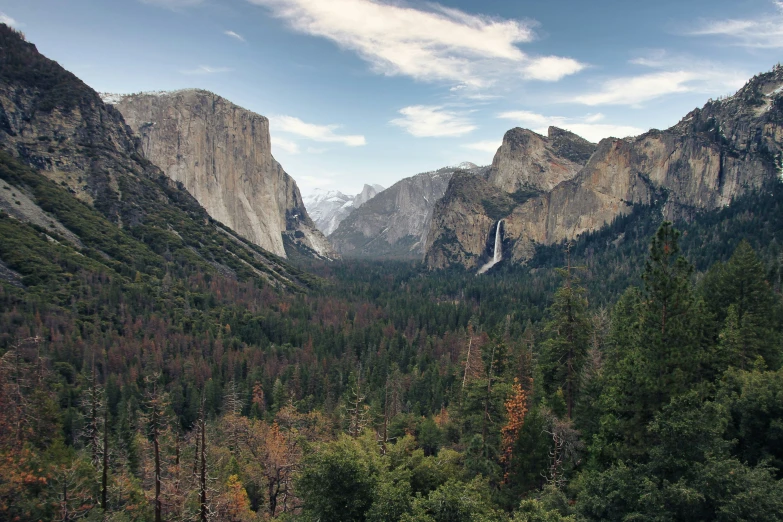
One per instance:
(15, 373)
(232, 409)
(358, 411)
(156, 421)
(392, 405)
(74, 500)
(566, 446)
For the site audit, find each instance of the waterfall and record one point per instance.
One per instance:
(498, 255)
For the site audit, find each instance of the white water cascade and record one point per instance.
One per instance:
(498, 256)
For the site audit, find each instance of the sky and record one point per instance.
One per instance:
(372, 91)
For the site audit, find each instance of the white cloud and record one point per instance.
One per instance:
(762, 32)
(637, 89)
(325, 133)
(436, 44)
(490, 146)
(7, 20)
(205, 69)
(288, 146)
(432, 121)
(552, 68)
(309, 183)
(671, 75)
(585, 126)
(232, 34)
(173, 4)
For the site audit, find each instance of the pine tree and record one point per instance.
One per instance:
(570, 330)
(657, 348)
(740, 287)
(672, 339)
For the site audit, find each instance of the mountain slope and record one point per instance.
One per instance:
(329, 208)
(395, 223)
(705, 161)
(222, 154)
(81, 150)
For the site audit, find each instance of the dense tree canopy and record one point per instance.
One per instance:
(625, 377)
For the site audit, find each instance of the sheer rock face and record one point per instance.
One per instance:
(368, 192)
(527, 160)
(710, 157)
(460, 221)
(395, 222)
(221, 154)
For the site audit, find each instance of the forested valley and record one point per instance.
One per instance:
(631, 375)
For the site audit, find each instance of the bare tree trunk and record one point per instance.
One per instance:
(158, 506)
(467, 361)
(203, 474)
(105, 474)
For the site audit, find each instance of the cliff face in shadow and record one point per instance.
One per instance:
(395, 223)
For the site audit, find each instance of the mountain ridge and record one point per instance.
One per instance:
(714, 154)
(395, 223)
(329, 208)
(53, 123)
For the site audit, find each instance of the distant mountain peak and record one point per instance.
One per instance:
(328, 208)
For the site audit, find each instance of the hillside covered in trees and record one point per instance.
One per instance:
(632, 375)
(154, 366)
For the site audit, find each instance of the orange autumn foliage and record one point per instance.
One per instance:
(516, 409)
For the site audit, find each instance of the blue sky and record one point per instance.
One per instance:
(371, 91)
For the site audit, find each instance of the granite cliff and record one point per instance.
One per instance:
(526, 160)
(221, 153)
(395, 223)
(53, 123)
(713, 155)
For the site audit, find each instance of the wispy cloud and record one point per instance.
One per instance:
(637, 89)
(429, 43)
(234, 35)
(7, 20)
(427, 121)
(671, 75)
(490, 146)
(173, 4)
(206, 69)
(587, 126)
(762, 32)
(288, 146)
(312, 131)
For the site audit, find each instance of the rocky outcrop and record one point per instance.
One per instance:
(54, 123)
(328, 208)
(458, 233)
(526, 160)
(221, 153)
(710, 157)
(368, 192)
(395, 223)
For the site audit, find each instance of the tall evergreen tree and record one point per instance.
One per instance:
(745, 309)
(658, 347)
(563, 353)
